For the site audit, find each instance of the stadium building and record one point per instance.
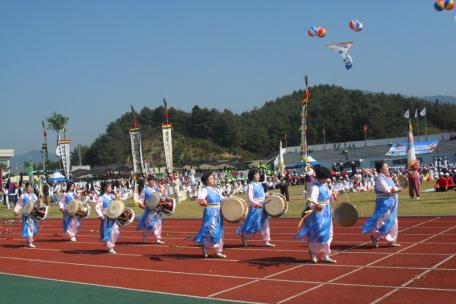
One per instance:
(436, 149)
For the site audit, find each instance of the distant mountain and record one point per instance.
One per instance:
(17, 162)
(444, 98)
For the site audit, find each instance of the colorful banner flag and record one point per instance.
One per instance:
(412, 162)
(136, 146)
(167, 140)
(304, 105)
(63, 152)
(421, 147)
(281, 160)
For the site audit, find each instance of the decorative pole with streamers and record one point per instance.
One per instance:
(304, 118)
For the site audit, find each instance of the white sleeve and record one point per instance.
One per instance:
(222, 197)
(142, 197)
(19, 204)
(250, 194)
(202, 194)
(124, 195)
(99, 207)
(382, 186)
(313, 196)
(62, 201)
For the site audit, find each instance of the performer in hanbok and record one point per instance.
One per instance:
(414, 182)
(151, 220)
(257, 218)
(109, 229)
(383, 225)
(211, 231)
(29, 223)
(317, 224)
(71, 224)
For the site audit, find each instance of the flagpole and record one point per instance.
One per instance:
(365, 136)
(417, 124)
(304, 105)
(425, 126)
(324, 139)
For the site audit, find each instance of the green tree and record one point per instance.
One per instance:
(57, 122)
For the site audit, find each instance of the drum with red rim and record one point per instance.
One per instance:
(167, 205)
(40, 212)
(126, 217)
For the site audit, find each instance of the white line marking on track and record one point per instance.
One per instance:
(369, 264)
(122, 288)
(413, 279)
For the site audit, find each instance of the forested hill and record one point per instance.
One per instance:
(209, 134)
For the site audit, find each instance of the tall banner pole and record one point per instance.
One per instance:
(136, 146)
(417, 123)
(304, 107)
(167, 140)
(63, 151)
(44, 149)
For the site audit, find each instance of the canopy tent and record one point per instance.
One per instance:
(56, 177)
(301, 164)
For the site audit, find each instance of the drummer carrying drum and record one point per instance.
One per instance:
(71, 224)
(211, 231)
(383, 224)
(152, 219)
(257, 218)
(317, 226)
(29, 224)
(109, 229)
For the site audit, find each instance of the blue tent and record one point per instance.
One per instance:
(56, 177)
(301, 164)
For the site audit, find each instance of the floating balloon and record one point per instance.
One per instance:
(321, 32)
(439, 5)
(449, 5)
(312, 31)
(355, 25)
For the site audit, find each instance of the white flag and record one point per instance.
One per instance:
(423, 112)
(416, 113)
(407, 114)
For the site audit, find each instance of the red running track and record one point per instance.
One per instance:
(422, 270)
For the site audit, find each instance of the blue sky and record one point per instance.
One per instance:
(91, 59)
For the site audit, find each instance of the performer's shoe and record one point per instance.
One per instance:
(112, 251)
(327, 259)
(314, 259)
(31, 245)
(159, 241)
(205, 254)
(220, 255)
(374, 241)
(394, 245)
(73, 239)
(244, 240)
(269, 244)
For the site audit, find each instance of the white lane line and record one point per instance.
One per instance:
(276, 262)
(357, 269)
(413, 279)
(229, 277)
(121, 288)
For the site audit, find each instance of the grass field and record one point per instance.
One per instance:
(431, 203)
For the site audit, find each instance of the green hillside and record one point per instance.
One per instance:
(209, 134)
